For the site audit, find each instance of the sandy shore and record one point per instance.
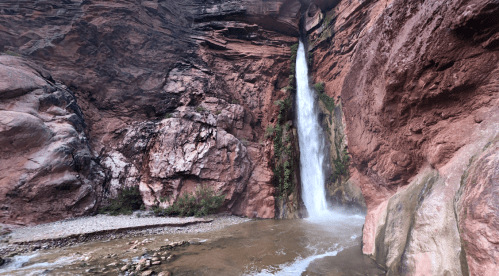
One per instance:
(105, 227)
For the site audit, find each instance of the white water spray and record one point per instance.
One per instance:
(311, 143)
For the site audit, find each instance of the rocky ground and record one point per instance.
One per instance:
(28, 239)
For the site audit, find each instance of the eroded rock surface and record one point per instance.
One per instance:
(418, 85)
(477, 209)
(153, 78)
(48, 170)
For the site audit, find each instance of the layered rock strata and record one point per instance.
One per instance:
(418, 85)
(194, 78)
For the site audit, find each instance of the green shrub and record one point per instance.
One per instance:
(319, 87)
(168, 115)
(203, 202)
(200, 109)
(294, 51)
(218, 112)
(128, 200)
(328, 101)
(10, 53)
(341, 163)
(244, 141)
(269, 131)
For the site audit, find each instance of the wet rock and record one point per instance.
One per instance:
(174, 245)
(410, 112)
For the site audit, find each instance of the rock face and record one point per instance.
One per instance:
(477, 209)
(48, 172)
(156, 78)
(418, 86)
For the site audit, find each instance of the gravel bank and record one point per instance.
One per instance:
(104, 227)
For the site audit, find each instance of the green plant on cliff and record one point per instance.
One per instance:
(319, 87)
(128, 200)
(328, 101)
(202, 202)
(14, 54)
(294, 51)
(341, 162)
(283, 154)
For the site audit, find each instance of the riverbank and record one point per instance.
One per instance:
(104, 227)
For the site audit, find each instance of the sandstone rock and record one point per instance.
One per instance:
(165, 273)
(417, 84)
(147, 273)
(47, 168)
(477, 209)
(227, 56)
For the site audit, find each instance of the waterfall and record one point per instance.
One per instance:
(311, 143)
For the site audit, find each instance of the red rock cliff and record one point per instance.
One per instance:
(418, 87)
(173, 94)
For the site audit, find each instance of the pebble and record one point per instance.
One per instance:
(165, 273)
(147, 273)
(156, 263)
(125, 267)
(219, 222)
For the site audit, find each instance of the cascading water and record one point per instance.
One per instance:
(311, 143)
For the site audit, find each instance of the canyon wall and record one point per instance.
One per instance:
(418, 82)
(169, 95)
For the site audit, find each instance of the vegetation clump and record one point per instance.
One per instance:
(14, 54)
(283, 154)
(341, 163)
(202, 202)
(128, 200)
(200, 109)
(328, 101)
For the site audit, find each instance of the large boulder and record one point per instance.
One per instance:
(48, 170)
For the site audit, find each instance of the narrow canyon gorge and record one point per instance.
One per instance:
(172, 95)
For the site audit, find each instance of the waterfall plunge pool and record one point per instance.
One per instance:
(258, 247)
(328, 243)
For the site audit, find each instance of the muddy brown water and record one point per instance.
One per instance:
(259, 247)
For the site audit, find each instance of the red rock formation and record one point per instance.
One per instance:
(418, 83)
(133, 63)
(477, 211)
(48, 172)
